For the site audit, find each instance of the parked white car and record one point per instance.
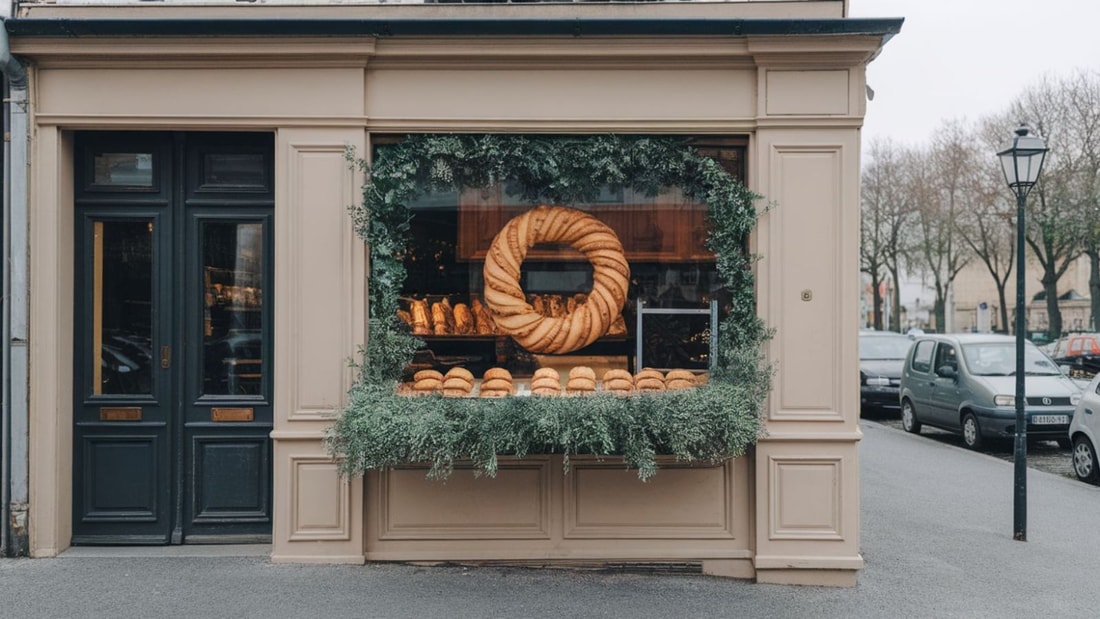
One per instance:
(1083, 432)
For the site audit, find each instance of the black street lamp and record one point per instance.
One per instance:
(1022, 161)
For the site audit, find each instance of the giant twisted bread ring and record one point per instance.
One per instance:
(507, 302)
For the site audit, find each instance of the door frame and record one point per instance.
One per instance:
(181, 205)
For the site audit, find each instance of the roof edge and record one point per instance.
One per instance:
(66, 27)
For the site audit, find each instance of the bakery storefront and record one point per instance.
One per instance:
(537, 284)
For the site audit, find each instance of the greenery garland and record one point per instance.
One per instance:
(379, 429)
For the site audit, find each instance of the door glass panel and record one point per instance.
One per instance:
(244, 171)
(123, 170)
(122, 307)
(232, 254)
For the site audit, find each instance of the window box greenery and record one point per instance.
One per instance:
(715, 422)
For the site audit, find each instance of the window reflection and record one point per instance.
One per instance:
(122, 307)
(232, 303)
(124, 169)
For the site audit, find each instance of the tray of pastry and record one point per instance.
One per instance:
(461, 316)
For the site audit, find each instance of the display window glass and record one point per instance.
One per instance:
(622, 282)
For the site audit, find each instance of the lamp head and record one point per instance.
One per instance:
(1022, 160)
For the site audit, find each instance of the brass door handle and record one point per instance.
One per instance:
(165, 357)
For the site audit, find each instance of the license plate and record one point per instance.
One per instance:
(1045, 420)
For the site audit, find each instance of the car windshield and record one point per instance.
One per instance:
(884, 346)
(999, 359)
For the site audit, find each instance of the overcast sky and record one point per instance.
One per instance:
(966, 59)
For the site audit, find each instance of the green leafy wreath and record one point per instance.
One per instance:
(379, 429)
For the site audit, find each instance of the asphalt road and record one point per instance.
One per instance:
(935, 534)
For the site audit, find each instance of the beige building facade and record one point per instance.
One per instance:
(255, 106)
(975, 286)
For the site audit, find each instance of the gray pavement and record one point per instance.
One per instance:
(937, 541)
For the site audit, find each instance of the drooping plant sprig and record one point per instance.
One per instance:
(380, 429)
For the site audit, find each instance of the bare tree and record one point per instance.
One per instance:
(1081, 159)
(885, 208)
(1054, 230)
(938, 182)
(989, 225)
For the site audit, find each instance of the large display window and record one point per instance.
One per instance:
(560, 299)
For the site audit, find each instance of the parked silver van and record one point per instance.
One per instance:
(966, 383)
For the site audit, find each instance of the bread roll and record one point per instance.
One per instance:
(421, 319)
(497, 373)
(405, 317)
(547, 391)
(497, 384)
(422, 374)
(547, 373)
(677, 384)
(649, 384)
(428, 384)
(456, 383)
(494, 393)
(439, 319)
(556, 308)
(679, 375)
(580, 384)
(583, 371)
(617, 374)
(483, 322)
(455, 393)
(460, 372)
(464, 320)
(649, 373)
(618, 384)
(702, 379)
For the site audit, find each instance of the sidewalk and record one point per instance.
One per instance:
(937, 541)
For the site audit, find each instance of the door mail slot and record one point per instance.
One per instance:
(120, 413)
(231, 414)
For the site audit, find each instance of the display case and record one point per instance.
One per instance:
(496, 280)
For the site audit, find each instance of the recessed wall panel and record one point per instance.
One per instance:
(808, 210)
(588, 95)
(806, 498)
(320, 279)
(807, 92)
(678, 502)
(319, 500)
(314, 92)
(513, 504)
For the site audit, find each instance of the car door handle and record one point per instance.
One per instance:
(1088, 411)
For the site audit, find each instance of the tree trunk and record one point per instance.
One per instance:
(1094, 289)
(876, 297)
(1054, 313)
(895, 303)
(1004, 306)
(939, 310)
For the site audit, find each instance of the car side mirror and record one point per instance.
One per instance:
(946, 371)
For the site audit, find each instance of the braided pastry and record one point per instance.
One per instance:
(507, 302)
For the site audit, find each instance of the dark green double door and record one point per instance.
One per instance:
(173, 348)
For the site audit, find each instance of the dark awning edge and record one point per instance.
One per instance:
(886, 27)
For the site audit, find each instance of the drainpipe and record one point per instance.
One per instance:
(15, 478)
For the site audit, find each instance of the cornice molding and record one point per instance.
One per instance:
(190, 52)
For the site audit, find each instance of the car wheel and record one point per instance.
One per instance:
(909, 421)
(1085, 465)
(972, 432)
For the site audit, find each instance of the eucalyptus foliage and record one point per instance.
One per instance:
(379, 429)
